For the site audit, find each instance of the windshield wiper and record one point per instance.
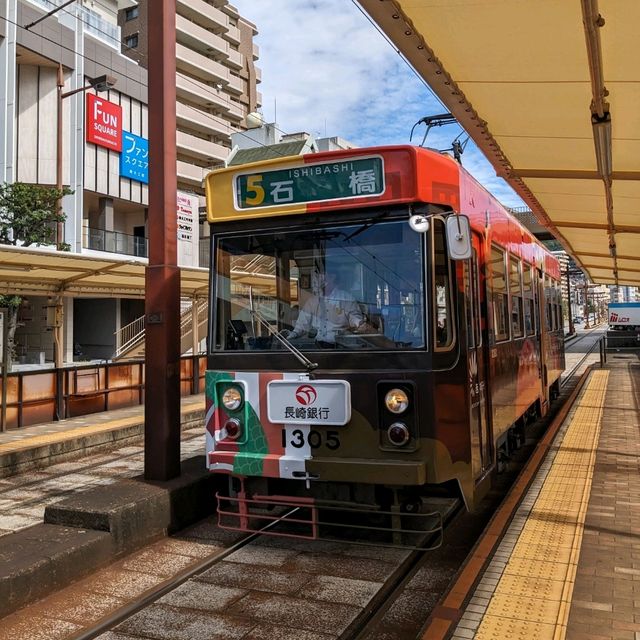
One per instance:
(309, 366)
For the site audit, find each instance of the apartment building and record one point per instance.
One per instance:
(216, 79)
(104, 155)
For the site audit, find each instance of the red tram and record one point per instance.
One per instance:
(453, 333)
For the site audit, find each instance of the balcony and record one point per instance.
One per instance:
(199, 39)
(201, 66)
(116, 242)
(199, 93)
(235, 86)
(203, 14)
(232, 35)
(203, 150)
(94, 24)
(204, 123)
(98, 27)
(190, 173)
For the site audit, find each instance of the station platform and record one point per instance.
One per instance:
(50, 443)
(561, 557)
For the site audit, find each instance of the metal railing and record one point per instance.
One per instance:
(116, 242)
(35, 397)
(93, 22)
(132, 334)
(129, 336)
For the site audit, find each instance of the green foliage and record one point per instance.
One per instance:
(29, 213)
(10, 301)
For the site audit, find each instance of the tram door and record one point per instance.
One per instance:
(542, 321)
(481, 452)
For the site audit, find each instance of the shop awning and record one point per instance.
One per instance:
(549, 91)
(46, 272)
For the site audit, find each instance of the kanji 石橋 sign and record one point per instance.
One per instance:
(104, 123)
(134, 159)
(348, 178)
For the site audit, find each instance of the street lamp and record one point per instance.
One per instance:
(100, 83)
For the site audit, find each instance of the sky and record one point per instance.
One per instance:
(328, 71)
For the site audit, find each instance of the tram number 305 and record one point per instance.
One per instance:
(315, 439)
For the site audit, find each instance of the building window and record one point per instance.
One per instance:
(131, 14)
(131, 42)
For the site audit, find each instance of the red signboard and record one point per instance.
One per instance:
(104, 123)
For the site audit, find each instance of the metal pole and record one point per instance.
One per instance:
(586, 306)
(60, 87)
(162, 302)
(5, 367)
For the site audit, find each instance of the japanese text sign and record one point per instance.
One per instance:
(104, 123)
(348, 178)
(134, 159)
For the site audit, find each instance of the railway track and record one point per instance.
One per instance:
(375, 573)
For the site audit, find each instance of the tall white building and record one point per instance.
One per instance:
(104, 136)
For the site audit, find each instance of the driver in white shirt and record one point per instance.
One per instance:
(327, 314)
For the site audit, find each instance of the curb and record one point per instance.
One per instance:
(81, 441)
(91, 529)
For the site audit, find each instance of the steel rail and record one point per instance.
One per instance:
(126, 611)
(380, 603)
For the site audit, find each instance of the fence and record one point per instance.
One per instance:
(35, 397)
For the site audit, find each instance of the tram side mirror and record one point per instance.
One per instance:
(458, 237)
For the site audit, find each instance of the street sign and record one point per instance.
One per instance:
(134, 159)
(104, 123)
(342, 179)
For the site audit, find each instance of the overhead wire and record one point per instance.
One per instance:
(208, 116)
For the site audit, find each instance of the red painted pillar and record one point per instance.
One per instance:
(162, 349)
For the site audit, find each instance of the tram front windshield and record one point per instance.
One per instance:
(353, 287)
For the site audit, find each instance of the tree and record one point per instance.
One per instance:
(29, 213)
(12, 303)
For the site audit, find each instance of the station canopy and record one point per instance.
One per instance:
(47, 272)
(550, 92)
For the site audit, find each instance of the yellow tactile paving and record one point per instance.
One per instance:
(70, 434)
(532, 597)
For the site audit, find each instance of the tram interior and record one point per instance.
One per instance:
(264, 280)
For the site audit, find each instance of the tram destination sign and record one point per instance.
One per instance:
(346, 178)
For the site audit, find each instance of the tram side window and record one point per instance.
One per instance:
(442, 321)
(548, 292)
(500, 297)
(515, 288)
(557, 298)
(529, 315)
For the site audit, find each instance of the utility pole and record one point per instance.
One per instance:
(162, 296)
(586, 305)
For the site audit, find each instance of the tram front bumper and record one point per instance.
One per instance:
(357, 470)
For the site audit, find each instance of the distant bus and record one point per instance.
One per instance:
(458, 344)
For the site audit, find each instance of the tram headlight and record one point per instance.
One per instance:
(396, 401)
(232, 399)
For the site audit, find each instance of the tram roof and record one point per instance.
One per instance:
(527, 80)
(47, 272)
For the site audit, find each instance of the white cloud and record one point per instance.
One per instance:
(326, 69)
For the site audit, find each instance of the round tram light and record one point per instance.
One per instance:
(398, 434)
(396, 401)
(233, 428)
(232, 399)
